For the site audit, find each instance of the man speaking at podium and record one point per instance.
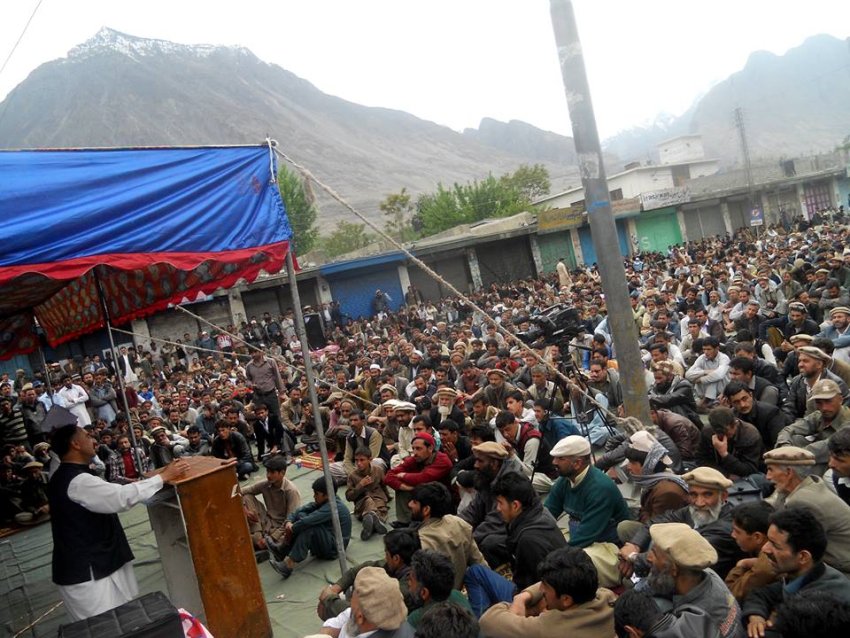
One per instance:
(92, 560)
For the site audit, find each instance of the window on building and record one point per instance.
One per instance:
(616, 194)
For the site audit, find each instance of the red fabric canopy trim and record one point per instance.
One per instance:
(135, 286)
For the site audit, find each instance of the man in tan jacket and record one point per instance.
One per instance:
(789, 469)
(430, 506)
(566, 602)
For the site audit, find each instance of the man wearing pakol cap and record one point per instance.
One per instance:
(566, 602)
(795, 546)
(708, 513)
(425, 464)
(790, 470)
(680, 575)
(377, 609)
(812, 432)
(491, 462)
(445, 407)
(794, 323)
(593, 502)
(34, 503)
(497, 389)
(812, 364)
(837, 330)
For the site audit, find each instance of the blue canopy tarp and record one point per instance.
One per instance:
(152, 226)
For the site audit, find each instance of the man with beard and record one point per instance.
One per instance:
(489, 531)
(497, 389)
(593, 502)
(812, 364)
(542, 389)
(789, 469)
(424, 465)
(445, 408)
(440, 530)
(532, 534)
(680, 577)
(672, 392)
(796, 545)
(377, 609)
(398, 429)
(708, 513)
(399, 547)
(767, 419)
(812, 432)
(838, 331)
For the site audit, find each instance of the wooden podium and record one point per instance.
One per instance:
(206, 550)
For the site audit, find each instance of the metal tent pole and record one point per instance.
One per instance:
(103, 306)
(314, 399)
(602, 226)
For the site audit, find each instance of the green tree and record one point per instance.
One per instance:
(398, 207)
(300, 209)
(532, 181)
(345, 238)
(488, 198)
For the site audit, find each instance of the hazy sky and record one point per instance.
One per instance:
(456, 61)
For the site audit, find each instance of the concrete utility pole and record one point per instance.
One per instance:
(602, 226)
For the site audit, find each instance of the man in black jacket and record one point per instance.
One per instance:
(268, 428)
(532, 534)
(730, 445)
(708, 513)
(229, 444)
(672, 392)
(767, 419)
(812, 363)
(796, 542)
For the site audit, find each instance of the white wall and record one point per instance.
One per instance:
(681, 149)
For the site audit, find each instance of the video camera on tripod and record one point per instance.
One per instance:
(552, 326)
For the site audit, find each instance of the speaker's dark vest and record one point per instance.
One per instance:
(84, 543)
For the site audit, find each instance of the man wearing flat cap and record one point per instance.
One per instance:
(445, 407)
(837, 330)
(812, 431)
(680, 559)
(708, 513)
(812, 363)
(489, 531)
(795, 547)
(593, 502)
(790, 470)
(497, 389)
(377, 609)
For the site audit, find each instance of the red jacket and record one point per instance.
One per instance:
(437, 470)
